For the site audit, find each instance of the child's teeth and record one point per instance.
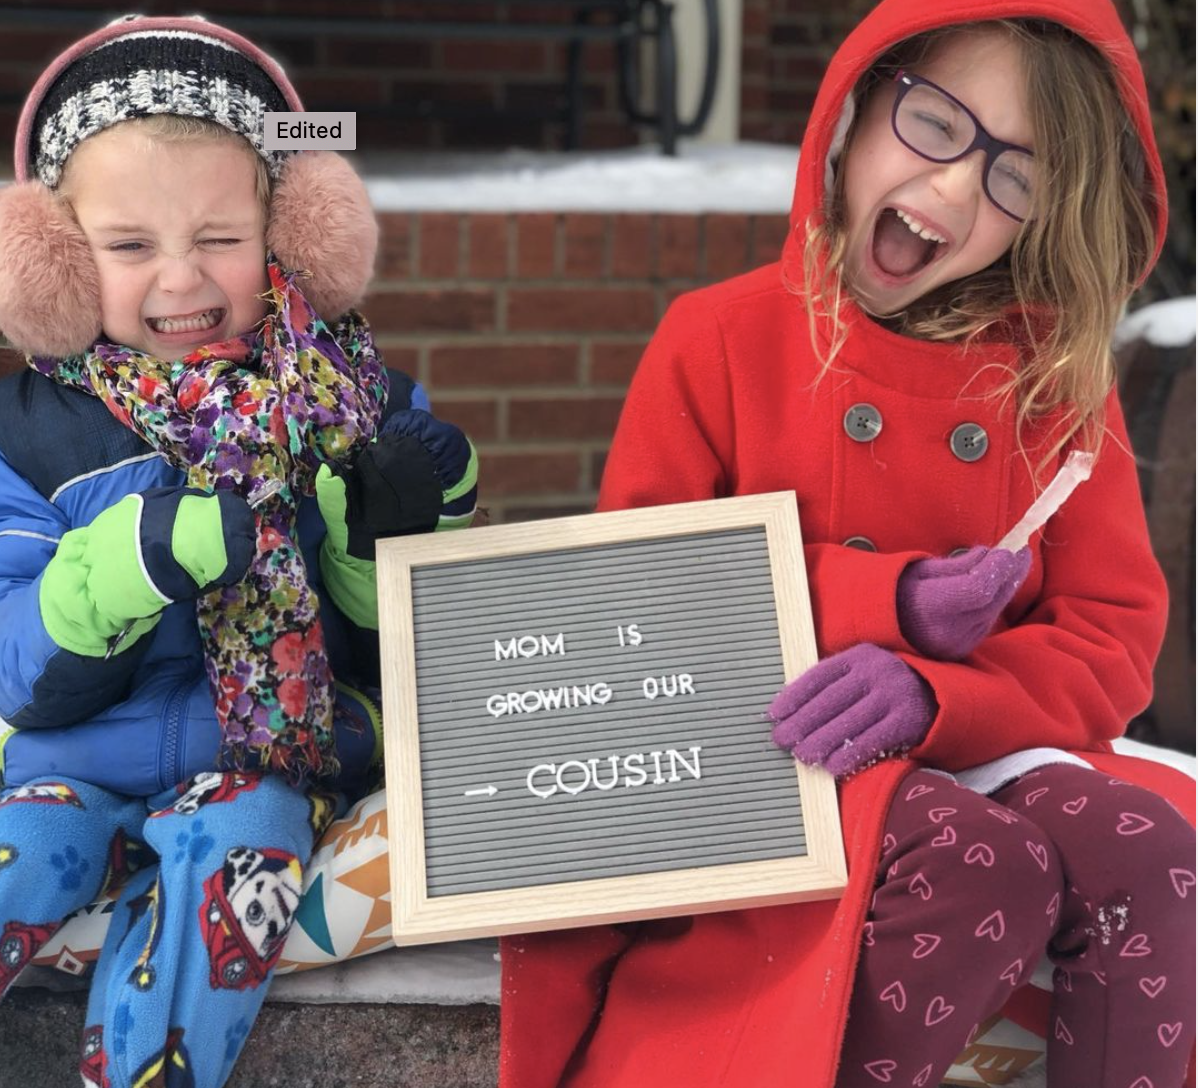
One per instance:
(188, 324)
(916, 227)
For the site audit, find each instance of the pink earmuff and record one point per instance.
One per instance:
(321, 223)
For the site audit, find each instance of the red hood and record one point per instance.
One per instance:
(893, 20)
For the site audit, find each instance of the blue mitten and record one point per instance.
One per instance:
(852, 709)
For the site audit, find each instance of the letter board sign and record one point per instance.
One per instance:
(575, 720)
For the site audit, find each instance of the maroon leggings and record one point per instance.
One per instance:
(972, 890)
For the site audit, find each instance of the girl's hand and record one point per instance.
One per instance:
(852, 709)
(947, 606)
(411, 480)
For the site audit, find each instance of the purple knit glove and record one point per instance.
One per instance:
(851, 709)
(947, 606)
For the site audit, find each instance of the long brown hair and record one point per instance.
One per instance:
(1061, 287)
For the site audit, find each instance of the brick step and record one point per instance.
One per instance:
(299, 1046)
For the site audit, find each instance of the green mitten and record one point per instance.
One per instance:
(110, 580)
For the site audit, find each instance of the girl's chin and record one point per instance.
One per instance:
(882, 295)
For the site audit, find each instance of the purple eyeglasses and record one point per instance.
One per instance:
(933, 124)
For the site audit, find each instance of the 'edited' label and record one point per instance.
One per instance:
(311, 131)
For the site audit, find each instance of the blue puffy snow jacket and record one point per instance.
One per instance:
(143, 720)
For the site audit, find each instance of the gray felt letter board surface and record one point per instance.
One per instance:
(575, 720)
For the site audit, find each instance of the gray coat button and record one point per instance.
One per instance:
(957, 551)
(862, 543)
(863, 423)
(969, 441)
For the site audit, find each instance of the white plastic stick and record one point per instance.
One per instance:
(1076, 469)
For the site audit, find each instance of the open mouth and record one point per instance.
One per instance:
(903, 246)
(191, 323)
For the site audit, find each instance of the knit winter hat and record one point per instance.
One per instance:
(138, 66)
(320, 220)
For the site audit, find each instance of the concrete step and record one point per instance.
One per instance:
(292, 1045)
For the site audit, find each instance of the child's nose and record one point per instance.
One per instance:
(959, 182)
(179, 275)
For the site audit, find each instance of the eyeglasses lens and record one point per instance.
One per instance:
(936, 128)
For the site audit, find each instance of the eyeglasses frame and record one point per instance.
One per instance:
(990, 145)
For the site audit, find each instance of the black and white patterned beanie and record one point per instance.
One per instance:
(139, 66)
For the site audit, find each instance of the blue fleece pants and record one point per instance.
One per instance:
(216, 867)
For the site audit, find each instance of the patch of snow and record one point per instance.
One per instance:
(1181, 761)
(454, 973)
(1167, 324)
(743, 177)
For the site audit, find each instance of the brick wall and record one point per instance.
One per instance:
(785, 49)
(527, 327)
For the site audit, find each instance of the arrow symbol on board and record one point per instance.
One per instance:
(489, 791)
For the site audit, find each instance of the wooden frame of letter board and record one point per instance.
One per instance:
(418, 918)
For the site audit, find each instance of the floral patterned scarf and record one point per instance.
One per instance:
(256, 415)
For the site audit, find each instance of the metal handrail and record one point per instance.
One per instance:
(662, 30)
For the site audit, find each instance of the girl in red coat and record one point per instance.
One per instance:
(979, 194)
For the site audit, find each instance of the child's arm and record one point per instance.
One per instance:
(75, 603)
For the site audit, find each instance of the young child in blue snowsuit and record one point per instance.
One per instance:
(193, 471)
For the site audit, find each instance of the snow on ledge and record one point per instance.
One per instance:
(1166, 324)
(744, 177)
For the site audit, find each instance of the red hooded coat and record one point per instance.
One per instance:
(725, 403)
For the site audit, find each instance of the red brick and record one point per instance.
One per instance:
(632, 244)
(440, 244)
(539, 13)
(614, 364)
(727, 238)
(478, 418)
(405, 92)
(503, 365)
(364, 8)
(426, 10)
(677, 246)
(573, 418)
(754, 98)
(524, 57)
(533, 97)
(39, 45)
(378, 130)
(597, 462)
(769, 232)
(585, 243)
(395, 245)
(488, 246)
(541, 473)
(321, 92)
(536, 245)
(390, 54)
(669, 294)
(10, 361)
(597, 309)
(405, 359)
(512, 514)
(757, 21)
(419, 311)
(491, 130)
